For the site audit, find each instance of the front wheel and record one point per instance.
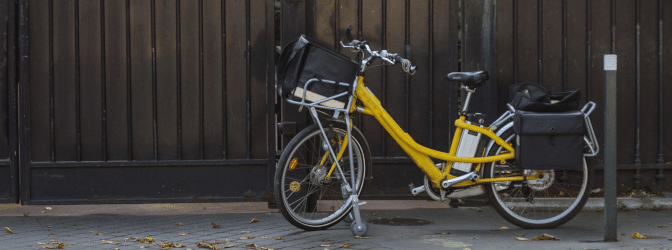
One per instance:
(547, 202)
(306, 198)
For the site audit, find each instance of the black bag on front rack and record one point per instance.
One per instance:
(305, 59)
(549, 140)
(533, 97)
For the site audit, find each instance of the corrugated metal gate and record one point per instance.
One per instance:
(144, 101)
(174, 101)
(561, 44)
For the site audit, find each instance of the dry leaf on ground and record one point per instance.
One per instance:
(636, 235)
(9, 231)
(360, 237)
(545, 237)
(205, 244)
(109, 242)
(325, 245)
(214, 225)
(254, 220)
(346, 245)
(251, 245)
(278, 238)
(264, 237)
(244, 232)
(227, 240)
(179, 223)
(169, 245)
(183, 234)
(48, 208)
(96, 232)
(229, 246)
(247, 238)
(503, 228)
(59, 245)
(521, 239)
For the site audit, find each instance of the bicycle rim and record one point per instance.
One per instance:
(545, 203)
(307, 202)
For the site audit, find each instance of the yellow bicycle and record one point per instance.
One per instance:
(321, 172)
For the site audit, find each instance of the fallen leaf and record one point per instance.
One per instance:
(48, 208)
(214, 225)
(467, 249)
(479, 210)
(40, 243)
(244, 232)
(227, 240)
(263, 248)
(251, 245)
(247, 238)
(545, 237)
(521, 239)
(278, 238)
(205, 244)
(503, 228)
(169, 245)
(229, 246)
(360, 237)
(661, 226)
(109, 242)
(254, 220)
(183, 234)
(146, 240)
(264, 237)
(346, 245)
(9, 231)
(325, 245)
(179, 223)
(636, 235)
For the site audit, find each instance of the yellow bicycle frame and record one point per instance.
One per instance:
(420, 154)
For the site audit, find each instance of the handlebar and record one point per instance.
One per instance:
(391, 58)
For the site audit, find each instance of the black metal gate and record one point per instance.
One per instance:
(144, 101)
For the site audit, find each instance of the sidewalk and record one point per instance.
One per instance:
(87, 226)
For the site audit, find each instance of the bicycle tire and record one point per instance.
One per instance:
(555, 199)
(315, 200)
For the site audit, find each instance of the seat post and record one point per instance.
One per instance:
(465, 107)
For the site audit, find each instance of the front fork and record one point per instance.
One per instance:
(350, 189)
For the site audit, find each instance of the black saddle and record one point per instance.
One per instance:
(469, 79)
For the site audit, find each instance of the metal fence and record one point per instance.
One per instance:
(561, 44)
(143, 101)
(160, 101)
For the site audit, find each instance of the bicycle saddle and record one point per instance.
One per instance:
(469, 79)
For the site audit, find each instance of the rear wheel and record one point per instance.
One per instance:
(547, 202)
(305, 197)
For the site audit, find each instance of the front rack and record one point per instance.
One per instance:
(315, 100)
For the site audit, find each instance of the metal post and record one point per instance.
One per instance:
(610, 133)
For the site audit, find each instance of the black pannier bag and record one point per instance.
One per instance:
(533, 97)
(549, 140)
(305, 59)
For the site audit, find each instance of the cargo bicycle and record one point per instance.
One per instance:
(529, 162)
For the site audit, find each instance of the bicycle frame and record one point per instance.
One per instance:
(420, 154)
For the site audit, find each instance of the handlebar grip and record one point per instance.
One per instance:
(348, 34)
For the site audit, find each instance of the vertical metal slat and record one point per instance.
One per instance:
(178, 70)
(103, 80)
(129, 103)
(155, 141)
(78, 110)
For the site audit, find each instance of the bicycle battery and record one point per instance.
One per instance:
(549, 140)
(468, 146)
